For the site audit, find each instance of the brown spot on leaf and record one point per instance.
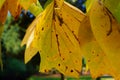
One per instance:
(55, 4)
(71, 71)
(58, 45)
(42, 28)
(88, 60)
(70, 51)
(93, 52)
(66, 67)
(60, 20)
(45, 70)
(97, 55)
(76, 61)
(59, 65)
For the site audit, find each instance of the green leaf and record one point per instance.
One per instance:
(35, 9)
(47, 3)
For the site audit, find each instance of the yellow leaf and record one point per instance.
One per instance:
(107, 33)
(56, 38)
(30, 50)
(28, 38)
(95, 57)
(26, 3)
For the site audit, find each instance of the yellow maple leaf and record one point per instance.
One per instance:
(56, 38)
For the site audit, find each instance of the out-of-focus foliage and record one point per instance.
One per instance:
(12, 54)
(11, 37)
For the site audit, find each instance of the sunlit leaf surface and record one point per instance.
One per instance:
(56, 38)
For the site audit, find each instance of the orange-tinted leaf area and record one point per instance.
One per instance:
(14, 6)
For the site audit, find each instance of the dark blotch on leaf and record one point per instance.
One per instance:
(97, 54)
(71, 71)
(61, 20)
(66, 67)
(93, 52)
(42, 28)
(88, 60)
(70, 52)
(55, 5)
(45, 70)
(59, 65)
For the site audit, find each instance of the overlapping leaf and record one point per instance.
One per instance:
(89, 3)
(106, 31)
(55, 37)
(96, 58)
(26, 3)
